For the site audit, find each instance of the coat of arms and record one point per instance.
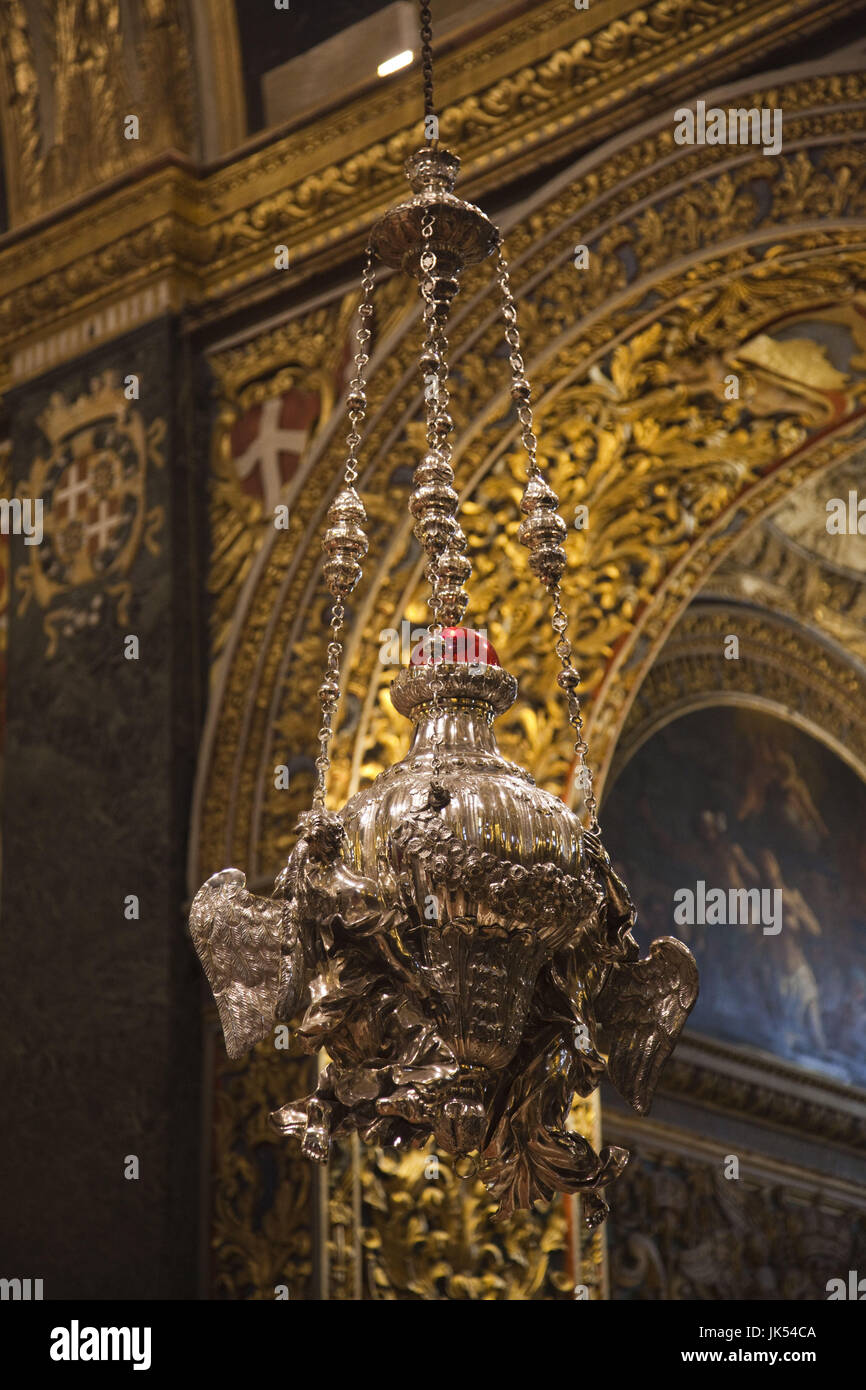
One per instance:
(93, 488)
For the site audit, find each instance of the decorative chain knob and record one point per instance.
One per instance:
(455, 567)
(345, 542)
(543, 531)
(433, 503)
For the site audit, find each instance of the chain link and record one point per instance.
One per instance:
(330, 684)
(520, 385)
(427, 57)
(569, 678)
(570, 684)
(356, 401)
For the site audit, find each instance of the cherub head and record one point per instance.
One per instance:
(320, 838)
(323, 833)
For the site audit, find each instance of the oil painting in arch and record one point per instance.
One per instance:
(723, 800)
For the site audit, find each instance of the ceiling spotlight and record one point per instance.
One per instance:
(400, 60)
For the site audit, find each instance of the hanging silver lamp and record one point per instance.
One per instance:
(454, 938)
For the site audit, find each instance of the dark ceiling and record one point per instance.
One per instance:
(270, 37)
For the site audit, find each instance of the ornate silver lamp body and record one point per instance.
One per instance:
(453, 937)
(466, 955)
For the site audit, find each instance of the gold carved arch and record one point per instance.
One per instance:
(784, 668)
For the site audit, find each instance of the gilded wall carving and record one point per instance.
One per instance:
(432, 1238)
(685, 1231)
(212, 233)
(792, 593)
(264, 1243)
(573, 85)
(73, 71)
(426, 1233)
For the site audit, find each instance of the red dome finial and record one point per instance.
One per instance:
(460, 645)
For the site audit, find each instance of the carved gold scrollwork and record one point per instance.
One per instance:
(262, 1222)
(685, 1232)
(68, 80)
(73, 73)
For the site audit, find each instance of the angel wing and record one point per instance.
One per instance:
(640, 1010)
(250, 950)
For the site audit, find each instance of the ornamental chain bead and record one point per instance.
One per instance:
(345, 540)
(435, 511)
(434, 501)
(543, 531)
